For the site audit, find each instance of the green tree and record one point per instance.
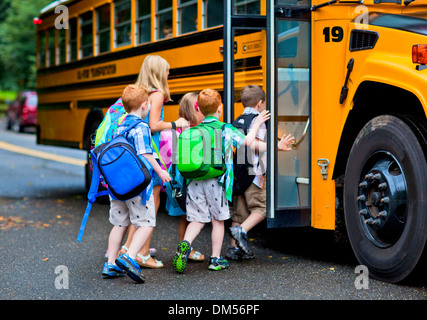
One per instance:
(18, 43)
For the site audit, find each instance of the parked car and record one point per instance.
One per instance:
(22, 112)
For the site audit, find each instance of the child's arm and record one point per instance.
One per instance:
(283, 144)
(155, 123)
(163, 174)
(259, 120)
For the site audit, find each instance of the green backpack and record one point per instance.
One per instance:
(199, 151)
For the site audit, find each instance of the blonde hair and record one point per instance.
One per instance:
(153, 75)
(209, 101)
(186, 107)
(133, 97)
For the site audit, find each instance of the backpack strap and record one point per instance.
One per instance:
(158, 153)
(131, 126)
(248, 118)
(92, 195)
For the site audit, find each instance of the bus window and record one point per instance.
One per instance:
(164, 19)
(143, 21)
(42, 49)
(103, 28)
(187, 16)
(61, 49)
(122, 20)
(72, 40)
(51, 47)
(293, 109)
(214, 13)
(86, 35)
(247, 6)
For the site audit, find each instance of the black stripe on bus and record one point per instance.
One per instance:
(104, 103)
(248, 64)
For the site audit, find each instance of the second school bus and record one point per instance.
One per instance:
(347, 79)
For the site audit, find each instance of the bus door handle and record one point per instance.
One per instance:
(298, 142)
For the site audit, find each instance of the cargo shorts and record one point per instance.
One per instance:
(124, 213)
(252, 200)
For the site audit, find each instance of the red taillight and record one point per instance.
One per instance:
(37, 20)
(419, 53)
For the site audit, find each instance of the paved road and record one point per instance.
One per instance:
(41, 205)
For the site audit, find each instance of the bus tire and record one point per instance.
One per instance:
(385, 198)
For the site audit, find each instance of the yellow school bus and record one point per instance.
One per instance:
(347, 78)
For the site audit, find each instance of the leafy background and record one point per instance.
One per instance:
(18, 46)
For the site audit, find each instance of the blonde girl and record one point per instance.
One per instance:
(153, 77)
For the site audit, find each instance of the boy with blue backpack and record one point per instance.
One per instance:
(138, 211)
(205, 156)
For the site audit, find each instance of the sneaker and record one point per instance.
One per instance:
(240, 237)
(234, 253)
(112, 271)
(131, 267)
(217, 263)
(180, 259)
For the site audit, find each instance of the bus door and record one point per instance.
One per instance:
(244, 51)
(288, 86)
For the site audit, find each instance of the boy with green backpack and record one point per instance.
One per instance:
(205, 156)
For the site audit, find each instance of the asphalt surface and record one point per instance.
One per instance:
(41, 206)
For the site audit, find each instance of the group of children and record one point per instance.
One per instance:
(207, 200)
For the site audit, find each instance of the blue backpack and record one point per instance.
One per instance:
(126, 174)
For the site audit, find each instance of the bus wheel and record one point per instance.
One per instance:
(385, 198)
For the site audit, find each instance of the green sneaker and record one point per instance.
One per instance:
(180, 259)
(217, 263)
